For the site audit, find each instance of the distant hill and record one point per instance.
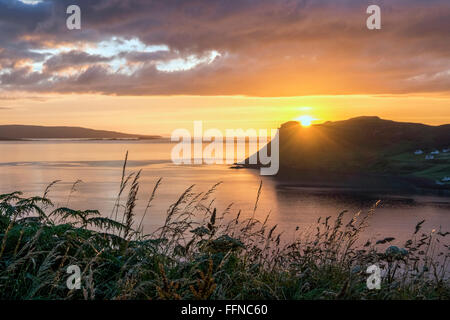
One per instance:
(18, 132)
(364, 145)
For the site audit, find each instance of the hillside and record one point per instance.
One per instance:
(365, 146)
(18, 132)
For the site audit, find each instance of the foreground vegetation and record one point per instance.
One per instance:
(200, 253)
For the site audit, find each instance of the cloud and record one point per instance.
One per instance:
(222, 47)
(72, 59)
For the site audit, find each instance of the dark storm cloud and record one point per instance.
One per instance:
(21, 77)
(267, 47)
(72, 59)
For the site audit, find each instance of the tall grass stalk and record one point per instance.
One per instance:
(201, 252)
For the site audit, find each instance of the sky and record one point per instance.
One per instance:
(151, 67)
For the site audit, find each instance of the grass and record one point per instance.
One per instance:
(200, 253)
(416, 165)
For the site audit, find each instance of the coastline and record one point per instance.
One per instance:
(363, 182)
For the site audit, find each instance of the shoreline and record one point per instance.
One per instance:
(363, 182)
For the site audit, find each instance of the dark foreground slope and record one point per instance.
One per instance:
(364, 148)
(18, 132)
(209, 259)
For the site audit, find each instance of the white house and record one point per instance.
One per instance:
(445, 150)
(418, 152)
(446, 179)
(435, 152)
(429, 157)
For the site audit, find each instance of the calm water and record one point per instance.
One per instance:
(31, 166)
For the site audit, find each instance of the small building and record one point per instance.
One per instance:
(418, 152)
(435, 152)
(429, 157)
(446, 179)
(445, 150)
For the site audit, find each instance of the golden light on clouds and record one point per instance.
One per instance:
(262, 64)
(162, 114)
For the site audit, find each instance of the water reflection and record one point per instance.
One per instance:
(31, 166)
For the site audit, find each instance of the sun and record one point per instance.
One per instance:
(305, 120)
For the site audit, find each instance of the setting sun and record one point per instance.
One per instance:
(255, 138)
(305, 120)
